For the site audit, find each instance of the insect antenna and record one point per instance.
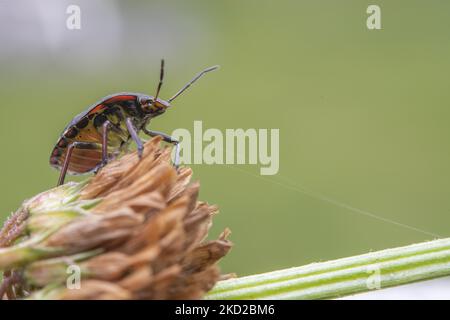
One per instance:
(198, 76)
(161, 78)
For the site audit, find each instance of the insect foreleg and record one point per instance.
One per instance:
(168, 139)
(134, 135)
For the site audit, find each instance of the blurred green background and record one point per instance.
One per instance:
(363, 115)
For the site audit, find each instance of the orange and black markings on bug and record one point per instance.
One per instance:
(107, 127)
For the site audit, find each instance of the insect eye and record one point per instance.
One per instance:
(146, 102)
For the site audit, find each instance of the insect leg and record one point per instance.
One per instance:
(168, 139)
(65, 166)
(132, 130)
(106, 127)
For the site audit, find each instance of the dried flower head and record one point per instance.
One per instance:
(134, 231)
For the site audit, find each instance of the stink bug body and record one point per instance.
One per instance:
(107, 127)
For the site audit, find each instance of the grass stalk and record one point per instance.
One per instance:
(347, 276)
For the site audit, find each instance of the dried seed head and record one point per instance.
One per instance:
(144, 239)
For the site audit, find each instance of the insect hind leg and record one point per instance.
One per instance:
(65, 167)
(106, 128)
(169, 139)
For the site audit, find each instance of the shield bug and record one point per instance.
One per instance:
(107, 127)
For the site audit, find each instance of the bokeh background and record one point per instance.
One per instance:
(363, 115)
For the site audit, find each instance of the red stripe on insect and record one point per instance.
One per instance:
(97, 108)
(120, 98)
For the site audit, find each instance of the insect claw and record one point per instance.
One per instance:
(100, 166)
(140, 152)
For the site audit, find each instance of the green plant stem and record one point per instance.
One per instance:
(342, 277)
